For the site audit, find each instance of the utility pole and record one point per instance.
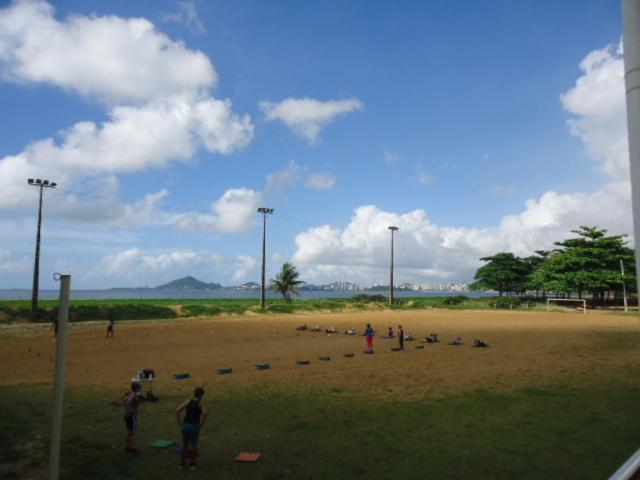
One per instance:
(264, 212)
(41, 184)
(624, 287)
(393, 229)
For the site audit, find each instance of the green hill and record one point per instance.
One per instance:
(188, 283)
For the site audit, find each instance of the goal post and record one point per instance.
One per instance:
(578, 300)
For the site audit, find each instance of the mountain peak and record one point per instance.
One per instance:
(188, 283)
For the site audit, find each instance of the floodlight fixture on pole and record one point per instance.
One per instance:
(41, 184)
(392, 229)
(264, 211)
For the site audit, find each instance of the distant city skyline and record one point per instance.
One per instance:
(476, 128)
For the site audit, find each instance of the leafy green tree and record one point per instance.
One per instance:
(286, 282)
(593, 261)
(588, 263)
(504, 272)
(534, 262)
(549, 276)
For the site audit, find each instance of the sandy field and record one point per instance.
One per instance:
(527, 349)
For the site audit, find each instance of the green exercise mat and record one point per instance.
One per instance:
(161, 443)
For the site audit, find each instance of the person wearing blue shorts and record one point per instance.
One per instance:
(195, 414)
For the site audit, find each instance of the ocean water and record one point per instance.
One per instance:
(125, 294)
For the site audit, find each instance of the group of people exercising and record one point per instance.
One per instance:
(192, 413)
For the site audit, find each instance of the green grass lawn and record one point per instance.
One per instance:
(331, 433)
(141, 309)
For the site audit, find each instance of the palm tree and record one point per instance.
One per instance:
(286, 282)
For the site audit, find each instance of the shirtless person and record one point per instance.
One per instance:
(130, 402)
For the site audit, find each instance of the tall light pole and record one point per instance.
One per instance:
(41, 184)
(393, 229)
(264, 212)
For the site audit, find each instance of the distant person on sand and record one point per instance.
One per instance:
(112, 323)
(401, 337)
(195, 414)
(390, 333)
(368, 333)
(130, 402)
(432, 338)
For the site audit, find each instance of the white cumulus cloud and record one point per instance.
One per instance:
(158, 105)
(307, 116)
(233, 212)
(115, 59)
(597, 105)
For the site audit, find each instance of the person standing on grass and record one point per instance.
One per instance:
(368, 333)
(401, 337)
(112, 323)
(130, 402)
(195, 414)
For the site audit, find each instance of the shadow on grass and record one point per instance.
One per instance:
(546, 432)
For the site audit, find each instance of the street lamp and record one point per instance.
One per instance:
(393, 229)
(41, 184)
(264, 212)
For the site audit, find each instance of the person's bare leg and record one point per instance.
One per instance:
(131, 441)
(194, 454)
(184, 454)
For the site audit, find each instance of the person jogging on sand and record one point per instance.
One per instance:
(369, 334)
(195, 415)
(130, 402)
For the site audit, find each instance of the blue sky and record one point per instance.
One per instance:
(443, 118)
